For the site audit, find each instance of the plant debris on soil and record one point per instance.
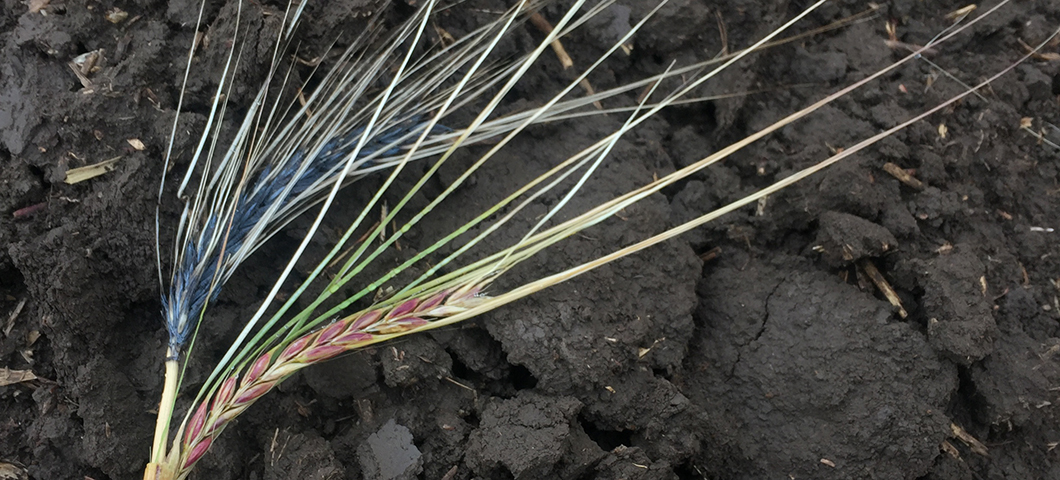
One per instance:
(780, 356)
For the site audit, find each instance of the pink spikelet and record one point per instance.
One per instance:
(252, 393)
(197, 452)
(347, 334)
(294, 348)
(332, 331)
(259, 367)
(350, 340)
(430, 303)
(196, 424)
(399, 326)
(223, 419)
(365, 320)
(224, 394)
(403, 309)
(320, 353)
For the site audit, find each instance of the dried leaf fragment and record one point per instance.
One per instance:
(969, 440)
(89, 62)
(136, 144)
(116, 15)
(950, 449)
(11, 377)
(960, 13)
(38, 5)
(80, 174)
(12, 472)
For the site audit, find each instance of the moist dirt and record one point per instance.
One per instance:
(754, 347)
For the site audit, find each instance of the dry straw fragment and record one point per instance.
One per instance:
(12, 377)
(88, 172)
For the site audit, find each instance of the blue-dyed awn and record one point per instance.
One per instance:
(196, 281)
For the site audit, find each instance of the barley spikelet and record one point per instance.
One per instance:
(242, 389)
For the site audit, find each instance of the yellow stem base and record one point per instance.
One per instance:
(156, 470)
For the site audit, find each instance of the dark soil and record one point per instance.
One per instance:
(774, 358)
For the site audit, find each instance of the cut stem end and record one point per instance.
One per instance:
(165, 415)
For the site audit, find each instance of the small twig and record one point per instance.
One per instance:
(647, 89)
(302, 101)
(1027, 125)
(972, 442)
(30, 210)
(881, 283)
(542, 24)
(903, 176)
(1046, 57)
(760, 209)
(590, 91)
(461, 385)
(950, 449)
(383, 210)
(723, 33)
(710, 254)
(273, 444)
(11, 318)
